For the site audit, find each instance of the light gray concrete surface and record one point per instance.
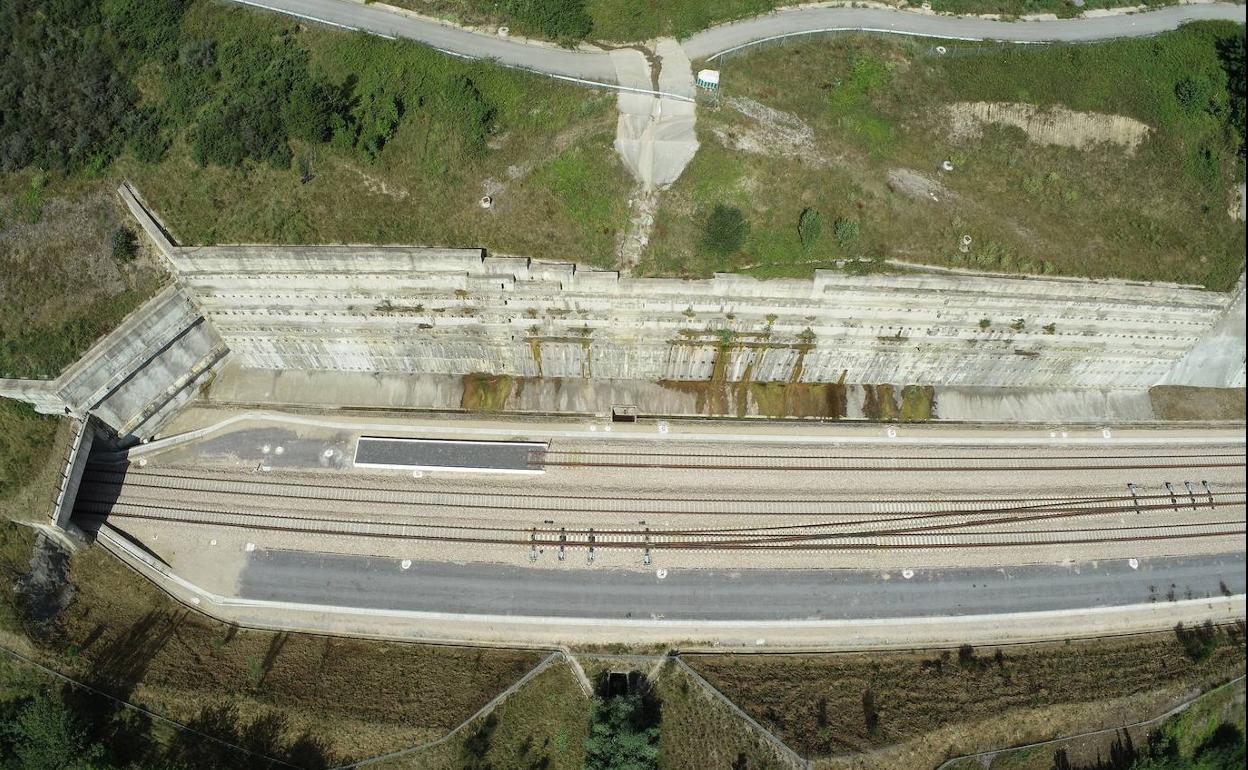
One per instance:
(131, 377)
(688, 594)
(1217, 359)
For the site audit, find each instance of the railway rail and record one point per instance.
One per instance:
(849, 525)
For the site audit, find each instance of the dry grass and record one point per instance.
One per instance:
(543, 726)
(60, 287)
(698, 730)
(32, 446)
(819, 704)
(352, 698)
(1179, 402)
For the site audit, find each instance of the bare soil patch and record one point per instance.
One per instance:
(1180, 403)
(1057, 126)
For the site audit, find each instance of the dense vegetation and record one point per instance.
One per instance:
(81, 80)
(623, 734)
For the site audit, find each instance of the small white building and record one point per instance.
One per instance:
(708, 79)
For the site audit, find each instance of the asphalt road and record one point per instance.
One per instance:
(686, 594)
(431, 454)
(804, 20)
(598, 66)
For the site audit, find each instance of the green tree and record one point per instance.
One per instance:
(619, 739)
(45, 735)
(724, 230)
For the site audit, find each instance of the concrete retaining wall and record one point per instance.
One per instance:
(404, 309)
(132, 378)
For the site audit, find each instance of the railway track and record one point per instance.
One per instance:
(316, 509)
(330, 495)
(1216, 457)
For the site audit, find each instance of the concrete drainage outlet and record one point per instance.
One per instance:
(487, 201)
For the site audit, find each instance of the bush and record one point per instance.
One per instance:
(725, 230)
(563, 20)
(123, 244)
(809, 227)
(847, 232)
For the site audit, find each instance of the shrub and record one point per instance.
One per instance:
(809, 227)
(847, 232)
(123, 244)
(563, 20)
(725, 230)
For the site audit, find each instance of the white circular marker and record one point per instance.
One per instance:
(406, 564)
(1052, 434)
(418, 474)
(1065, 434)
(266, 449)
(907, 573)
(194, 600)
(662, 427)
(329, 453)
(249, 547)
(892, 432)
(279, 450)
(606, 428)
(760, 642)
(593, 429)
(660, 573)
(212, 542)
(1133, 563)
(1106, 433)
(142, 462)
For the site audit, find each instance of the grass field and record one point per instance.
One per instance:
(356, 698)
(1184, 737)
(698, 730)
(828, 705)
(543, 726)
(30, 445)
(856, 128)
(60, 286)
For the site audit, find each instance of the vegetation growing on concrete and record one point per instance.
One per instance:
(485, 392)
(881, 115)
(346, 698)
(823, 705)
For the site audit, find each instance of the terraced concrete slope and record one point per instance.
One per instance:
(398, 309)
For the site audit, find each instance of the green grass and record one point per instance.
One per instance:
(819, 704)
(61, 288)
(543, 726)
(876, 105)
(1061, 8)
(699, 730)
(25, 440)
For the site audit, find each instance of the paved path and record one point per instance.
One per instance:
(597, 66)
(806, 20)
(747, 595)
